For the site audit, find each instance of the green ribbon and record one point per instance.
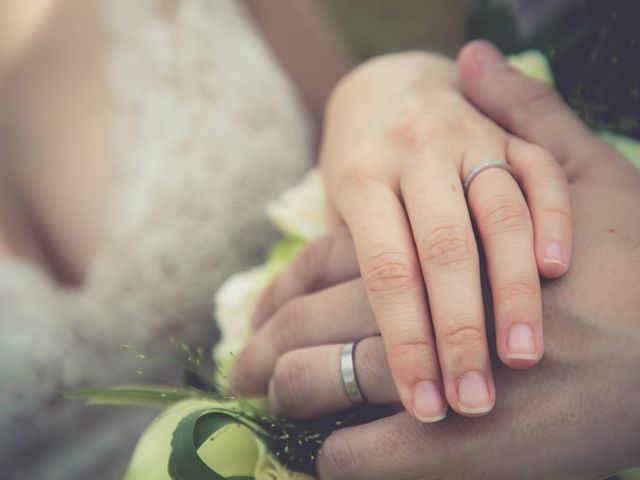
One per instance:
(191, 433)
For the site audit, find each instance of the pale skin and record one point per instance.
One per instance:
(56, 170)
(575, 416)
(399, 136)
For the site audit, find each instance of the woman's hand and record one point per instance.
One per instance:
(399, 137)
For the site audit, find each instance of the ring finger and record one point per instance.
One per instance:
(449, 258)
(326, 261)
(504, 223)
(307, 382)
(336, 314)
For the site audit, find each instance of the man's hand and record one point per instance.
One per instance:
(576, 415)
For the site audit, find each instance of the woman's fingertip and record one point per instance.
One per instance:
(474, 394)
(552, 259)
(554, 253)
(428, 403)
(521, 343)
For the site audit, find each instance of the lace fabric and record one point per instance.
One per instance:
(207, 130)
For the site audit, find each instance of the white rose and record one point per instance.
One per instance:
(234, 303)
(299, 213)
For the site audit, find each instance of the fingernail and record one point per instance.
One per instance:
(521, 343)
(428, 405)
(553, 253)
(489, 57)
(473, 393)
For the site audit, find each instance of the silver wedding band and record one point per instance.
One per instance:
(348, 370)
(482, 166)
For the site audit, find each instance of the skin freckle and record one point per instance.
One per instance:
(409, 134)
(404, 135)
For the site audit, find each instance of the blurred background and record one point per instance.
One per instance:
(381, 26)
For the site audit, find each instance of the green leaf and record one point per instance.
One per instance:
(135, 395)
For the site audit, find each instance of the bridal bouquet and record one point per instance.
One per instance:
(206, 434)
(214, 436)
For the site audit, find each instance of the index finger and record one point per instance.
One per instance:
(322, 263)
(395, 289)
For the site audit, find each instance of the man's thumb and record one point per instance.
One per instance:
(528, 108)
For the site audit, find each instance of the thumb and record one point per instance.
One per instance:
(528, 108)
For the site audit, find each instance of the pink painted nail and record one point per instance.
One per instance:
(553, 253)
(428, 405)
(521, 343)
(473, 393)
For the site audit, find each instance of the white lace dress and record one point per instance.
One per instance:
(207, 129)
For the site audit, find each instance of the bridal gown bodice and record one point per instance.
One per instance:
(205, 129)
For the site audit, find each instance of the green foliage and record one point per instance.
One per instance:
(294, 443)
(134, 395)
(192, 432)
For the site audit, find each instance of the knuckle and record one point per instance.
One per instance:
(413, 131)
(561, 215)
(544, 159)
(519, 295)
(547, 171)
(309, 265)
(417, 130)
(520, 288)
(538, 98)
(446, 245)
(356, 176)
(370, 356)
(556, 176)
(411, 355)
(290, 381)
(338, 461)
(391, 271)
(463, 338)
(289, 325)
(502, 214)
